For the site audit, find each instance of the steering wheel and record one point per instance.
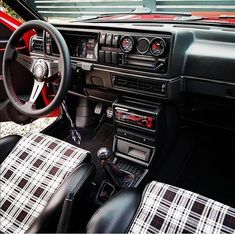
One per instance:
(42, 69)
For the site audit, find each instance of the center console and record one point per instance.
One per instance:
(138, 127)
(137, 141)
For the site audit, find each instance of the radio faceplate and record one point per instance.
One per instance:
(135, 118)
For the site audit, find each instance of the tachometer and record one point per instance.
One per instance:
(157, 46)
(126, 44)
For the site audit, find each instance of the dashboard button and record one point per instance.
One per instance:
(114, 58)
(101, 56)
(102, 38)
(109, 38)
(115, 42)
(107, 56)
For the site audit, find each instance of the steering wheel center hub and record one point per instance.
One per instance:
(40, 70)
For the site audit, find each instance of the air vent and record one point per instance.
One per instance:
(37, 44)
(144, 85)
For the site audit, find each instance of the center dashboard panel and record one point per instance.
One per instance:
(149, 53)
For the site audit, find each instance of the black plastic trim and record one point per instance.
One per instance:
(24, 10)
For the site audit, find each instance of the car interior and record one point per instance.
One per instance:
(143, 139)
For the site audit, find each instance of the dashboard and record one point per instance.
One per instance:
(154, 60)
(148, 53)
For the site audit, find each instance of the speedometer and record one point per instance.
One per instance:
(126, 44)
(157, 46)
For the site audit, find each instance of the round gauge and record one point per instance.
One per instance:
(126, 44)
(157, 46)
(143, 45)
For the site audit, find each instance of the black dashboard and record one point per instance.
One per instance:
(151, 80)
(148, 53)
(155, 60)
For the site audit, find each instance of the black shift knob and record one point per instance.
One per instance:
(104, 153)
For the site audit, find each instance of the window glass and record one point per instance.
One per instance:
(5, 8)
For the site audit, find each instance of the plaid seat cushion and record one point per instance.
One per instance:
(30, 175)
(168, 209)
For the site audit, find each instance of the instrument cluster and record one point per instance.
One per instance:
(82, 46)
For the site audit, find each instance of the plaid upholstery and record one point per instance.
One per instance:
(30, 175)
(168, 209)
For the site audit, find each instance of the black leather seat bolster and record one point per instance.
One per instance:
(116, 215)
(79, 179)
(6, 145)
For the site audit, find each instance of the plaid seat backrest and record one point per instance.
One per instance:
(30, 175)
(168, 209)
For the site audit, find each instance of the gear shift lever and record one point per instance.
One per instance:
(104, 153)
(113, 172)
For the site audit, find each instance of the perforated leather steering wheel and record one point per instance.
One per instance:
(41, 68)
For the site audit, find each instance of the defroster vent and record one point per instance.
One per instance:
(155, 87)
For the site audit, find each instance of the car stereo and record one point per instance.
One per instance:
(135, 117)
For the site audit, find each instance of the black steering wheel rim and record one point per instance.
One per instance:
(64, 61)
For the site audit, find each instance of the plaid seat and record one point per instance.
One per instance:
(168, 209)
(30, 175)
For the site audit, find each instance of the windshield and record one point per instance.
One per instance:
(70, 10)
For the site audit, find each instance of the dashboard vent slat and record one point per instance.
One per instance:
(37, 44)
(144, 85)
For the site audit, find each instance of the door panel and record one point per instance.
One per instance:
(21, 77)
(5, 34)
